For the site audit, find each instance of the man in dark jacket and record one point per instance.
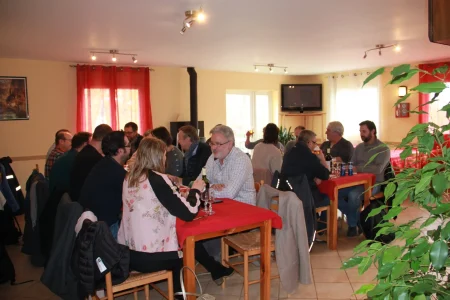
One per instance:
(86, 159)
(301, 160)
(131, 131)
(196, 153)
(102, 190)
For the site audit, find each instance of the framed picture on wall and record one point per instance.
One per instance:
(402, 110)
(13, 98)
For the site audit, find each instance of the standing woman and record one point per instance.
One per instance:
(266, 155)
(151, 204)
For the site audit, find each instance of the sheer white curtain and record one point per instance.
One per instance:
(350, 104)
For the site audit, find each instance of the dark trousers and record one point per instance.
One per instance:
(145, 262)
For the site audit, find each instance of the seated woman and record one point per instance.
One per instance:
(266, 155)
(151, 204)
(174, 156)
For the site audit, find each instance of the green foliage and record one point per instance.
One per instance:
(416, 265)
(285, 135)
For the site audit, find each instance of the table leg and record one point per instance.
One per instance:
(189, 261)
(333, 221)
(265, 260)
(367, 193)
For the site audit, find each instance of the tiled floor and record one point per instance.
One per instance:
(330, 282)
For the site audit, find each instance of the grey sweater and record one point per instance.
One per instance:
(364, 151)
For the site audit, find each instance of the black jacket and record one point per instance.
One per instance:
(195, 163)
(95, 242)
(58, 275)
(135, 144)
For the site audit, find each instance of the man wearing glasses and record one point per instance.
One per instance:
(229, 170)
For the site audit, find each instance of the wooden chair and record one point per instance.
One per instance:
(137, 282)
(328, 229)
(246, 244)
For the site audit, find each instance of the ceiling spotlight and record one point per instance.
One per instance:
(379, 47)
(93, 57)
(114, 58)
(256, 69)
(270, 70)
(365, 55)
(188, 24)
(379, 52)
(200, 15)
(134, 59)
(397, 48)
(285, 71)
(183, 30)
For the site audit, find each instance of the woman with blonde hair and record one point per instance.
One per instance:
(151, 204)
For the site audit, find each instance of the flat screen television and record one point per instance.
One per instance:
(439, 21)
(301, 97)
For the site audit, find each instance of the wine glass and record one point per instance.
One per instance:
(205, 199)
(211, 198)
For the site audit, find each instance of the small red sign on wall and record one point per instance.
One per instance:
(402, 110)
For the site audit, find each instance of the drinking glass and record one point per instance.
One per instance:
(205, 200)
(337, 170)
(211, 198)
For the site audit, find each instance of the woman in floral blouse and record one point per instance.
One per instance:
(151, 204)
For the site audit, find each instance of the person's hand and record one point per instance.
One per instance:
(249, 133)
(317, 181)
(321, 156)
(218, 186)
(175, 179)
(199, 184)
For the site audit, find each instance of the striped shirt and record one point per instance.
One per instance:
(236, 174)
(54, 155)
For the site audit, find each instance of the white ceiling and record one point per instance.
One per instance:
(308, 36)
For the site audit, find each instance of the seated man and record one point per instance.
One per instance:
(131, 131)
(339, 147)
(196, 153)
(363, 152)
(301, 160)
(63, 143)
(102, 190)
(292, 143)
(86, 159)
(60, 175)
(229, 170)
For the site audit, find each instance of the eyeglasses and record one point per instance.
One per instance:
(217, 144)
(314, 142)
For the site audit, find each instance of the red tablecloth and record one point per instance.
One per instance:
(228, 214)
(327, 186)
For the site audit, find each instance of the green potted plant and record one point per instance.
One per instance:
(416, 265)
(285, 135)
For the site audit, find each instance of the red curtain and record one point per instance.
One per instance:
(114, 96)
(425, 78)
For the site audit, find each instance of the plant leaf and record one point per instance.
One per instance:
(445, 232)
(399, 269)
(373, 75)
(421, 288)
(431, 166)
(389, 190)
(379, 289)
(393, 212)
(405, 153)
(441, 208)
(400, 293)
(362, 246)
(420, 297)
(426, 141)
(430, 87)
(439, 183)
(400, 197)
(375, 211)
(411, 234)
(428, 222)
(385, 270)
(353, 261)
(365, 288)
(420, 249)
(424, 183)
(391, 254)
(438, 254)
(403, 77)
(400, 69)
(442, 70)
(364, 265)
(402, 99)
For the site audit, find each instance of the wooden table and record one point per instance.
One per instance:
(230, 217)
(332, 186)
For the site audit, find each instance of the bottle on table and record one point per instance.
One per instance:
(350, 169)
(205, 192)
(329, 159)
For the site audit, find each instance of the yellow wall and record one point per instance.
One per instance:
(52, 103)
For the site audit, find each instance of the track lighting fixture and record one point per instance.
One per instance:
(271, 67)
(192, 16)
(378, 47)
(114, 54)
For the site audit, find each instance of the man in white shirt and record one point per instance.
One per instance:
(228, 169)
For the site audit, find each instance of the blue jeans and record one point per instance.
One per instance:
(352, 207)
(114, 229)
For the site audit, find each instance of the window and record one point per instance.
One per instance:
(350, 104)
(98, 109)
(435, 115)
(248, 110)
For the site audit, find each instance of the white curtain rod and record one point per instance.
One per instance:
(132, 66)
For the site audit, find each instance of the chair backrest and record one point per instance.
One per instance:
(262, 175)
